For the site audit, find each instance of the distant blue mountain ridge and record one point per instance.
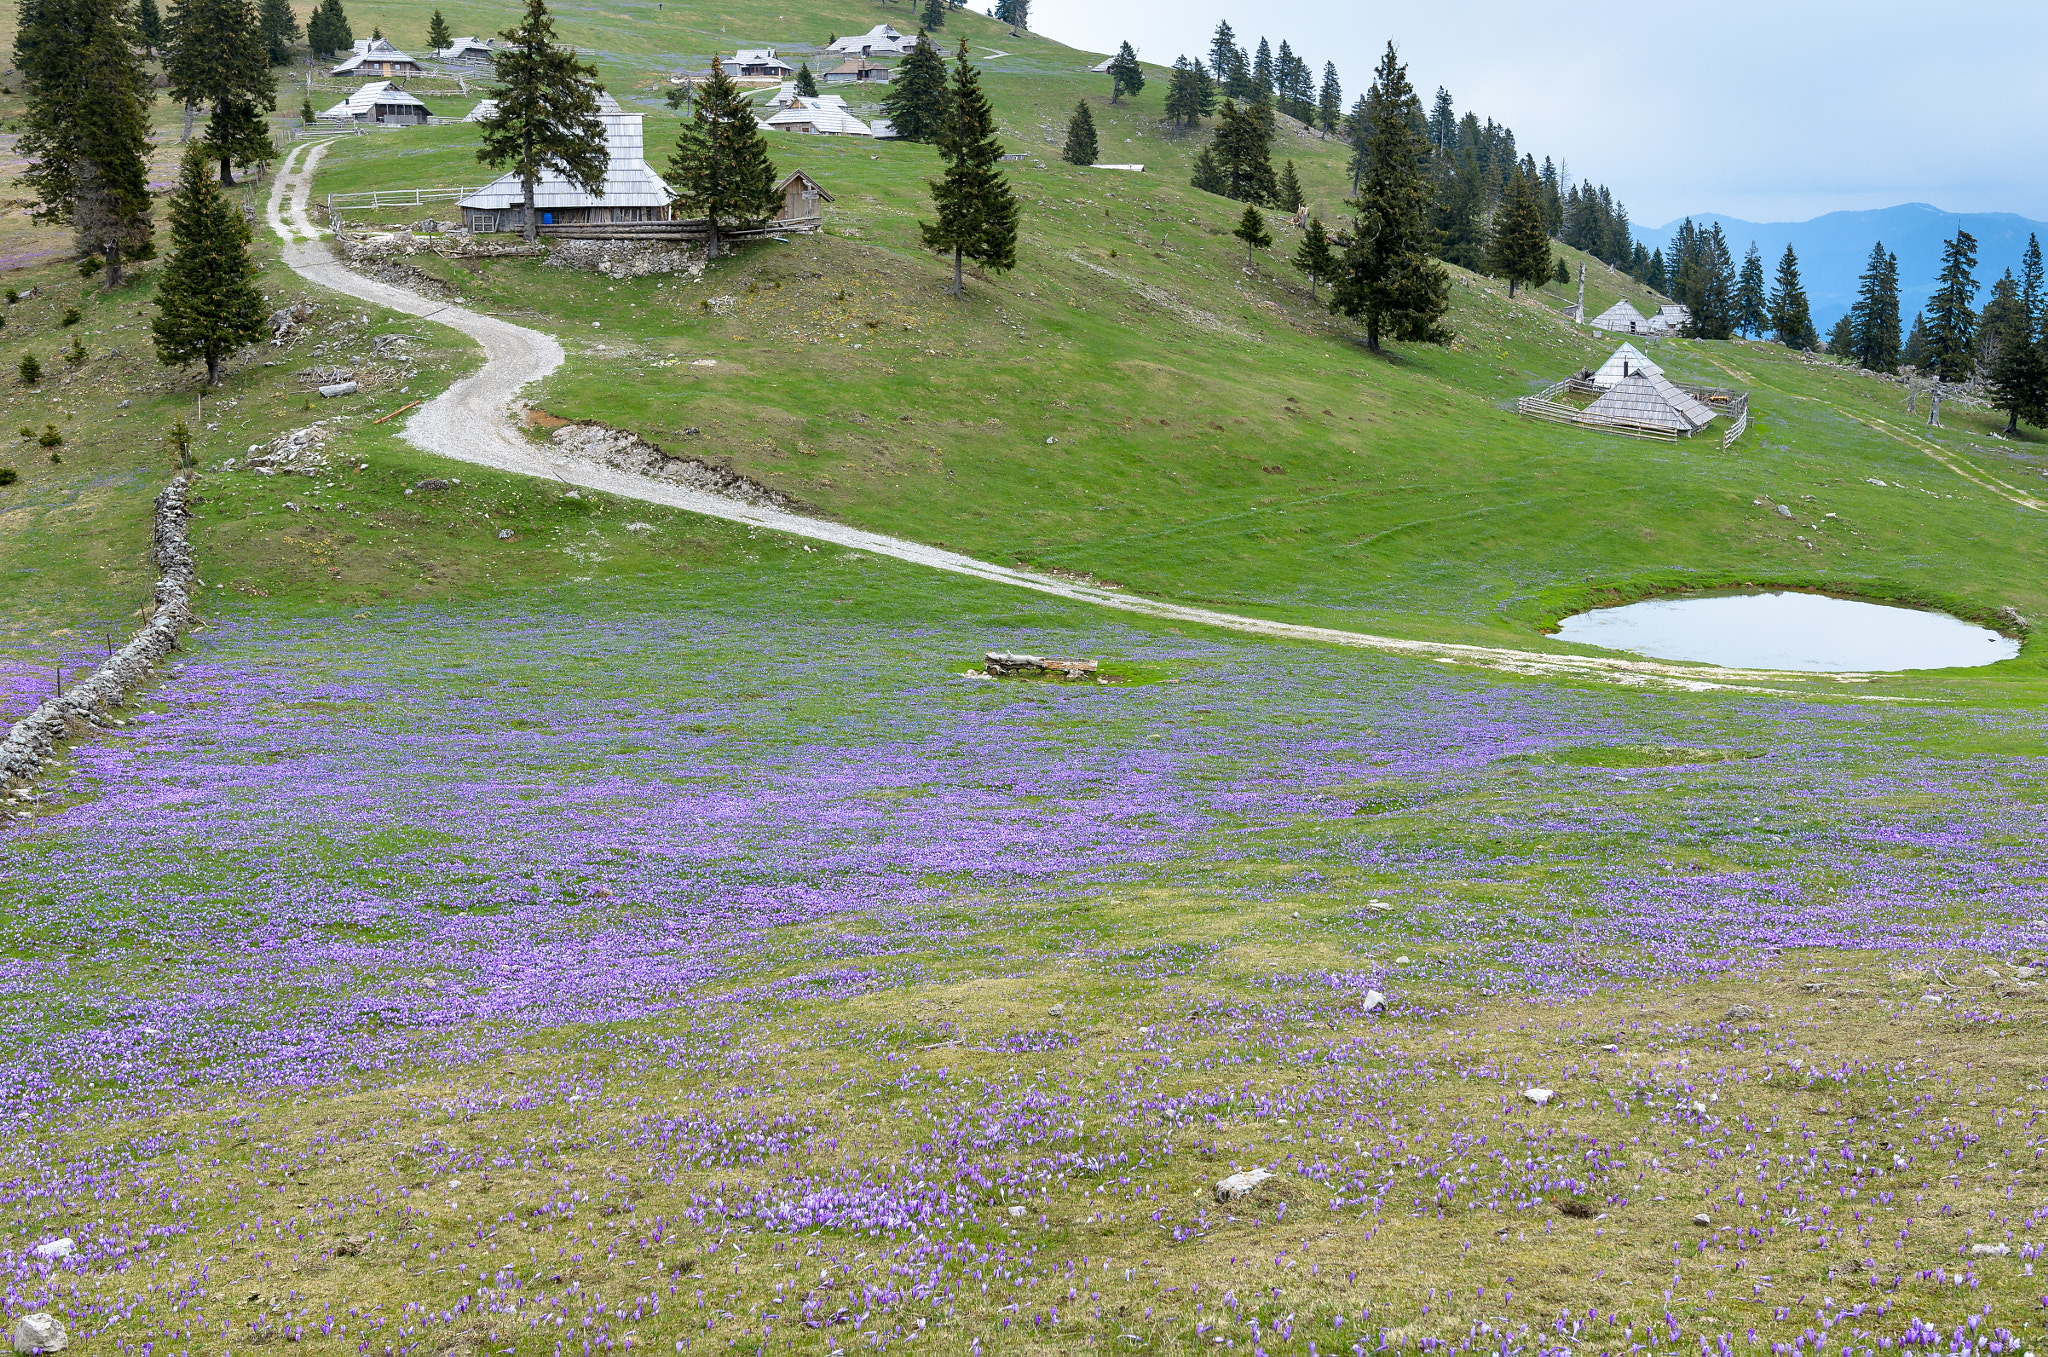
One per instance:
(1834, 249)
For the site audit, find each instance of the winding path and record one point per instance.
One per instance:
(471, 422)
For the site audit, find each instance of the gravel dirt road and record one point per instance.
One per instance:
(473, 422)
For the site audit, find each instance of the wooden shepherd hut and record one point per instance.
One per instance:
(1626, 362)
(632, 192)
(1644, 402)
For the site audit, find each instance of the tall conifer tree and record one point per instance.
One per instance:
(1520, 248)
(720, 167)
(1189, 95)
(546, 114)
(1330, 102)
(327, 29)
(1388, 277)
(1874, 318)
(1081, 148)
(2032, 295)
(280, 30)
(1752, 303)
(1126, 76)
(1951, 323)
(85, 133)
(1916, 353)
(149, 22)
(806, 84)
(917, 99)
(218, 57)
(206, 296)
(2015, 366)
(439, 36)
(1287, 193)
(1791, 316)
(1262, 73)
(977, 212)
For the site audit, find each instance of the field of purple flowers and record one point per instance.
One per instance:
(773, 983)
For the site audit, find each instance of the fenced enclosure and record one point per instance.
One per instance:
(1555, 403)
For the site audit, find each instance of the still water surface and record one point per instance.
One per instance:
(1789, 631)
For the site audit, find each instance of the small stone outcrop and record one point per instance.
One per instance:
(86, 703)
(625, 451)
(627, 258)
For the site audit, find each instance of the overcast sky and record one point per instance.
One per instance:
(1768, 110)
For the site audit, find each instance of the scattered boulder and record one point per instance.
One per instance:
(1016, 1213)
(39, 1332)
(1374, 1002)
(1241, 1184)
(1782, 511)
(434, 483)
(504, 534)
(301, 450)
(1703, 1219)
(338, 389)
(55, 1248)
(1741, 1013)
(1990, 1250)
(1539, 1096)
(286, 322)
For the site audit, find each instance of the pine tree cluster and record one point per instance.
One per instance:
(1703, 281)
(2013, 343)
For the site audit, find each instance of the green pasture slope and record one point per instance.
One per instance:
(405, 973)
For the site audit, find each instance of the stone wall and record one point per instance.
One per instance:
(86, 703)
(627, 258)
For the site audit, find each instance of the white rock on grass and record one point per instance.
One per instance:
(1375, 1002)
(1240, 1184)
(55, 1248)
(1539, 1096)
(39, 1332)
(1703, 1219)
(1990, 1250)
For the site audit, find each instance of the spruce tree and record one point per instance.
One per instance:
(806, 84)
(1456, 214)
(1951, 323)
(1791, 317)
(218, 57)
(1916, 354)
(149, 22)
(280, 30)
(1314, 256)
(327, 30)
(1222, 51)
(1563, 274)
(546, 114)
(438, 35)
(1262, 73)
(85, 125)
(1842, 339)
(1188, 97)
(1659, 279)
(1519, 250)
(2007, 355)
(720, 168)
(917, 101)
(1288, 193)
(1874, 319)
(977, 213)
(206, 296)
(1387, 276)
(1208, 175)
(1357, 131)
(1241, 153)
(1126, 76)
(933, 16)
(1330, 103)
(1752, 303)
(1251, 229)
(1081, 148)
(2031, 294)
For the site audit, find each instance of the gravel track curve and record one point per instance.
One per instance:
(472, 422)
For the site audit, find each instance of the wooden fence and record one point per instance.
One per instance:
(1546, 405)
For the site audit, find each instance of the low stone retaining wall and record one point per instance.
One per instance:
(86, 702)
(624, 451)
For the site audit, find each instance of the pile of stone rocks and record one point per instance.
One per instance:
(302, 451)
(626, 258)
(87, 703)
(1003, 664)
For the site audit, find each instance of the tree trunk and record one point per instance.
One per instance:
(212, 368)
(227, 169)
(532, 224)
(1372, 334)
(958, 286)
(112, 280)
(711, 237)
(1511, 289)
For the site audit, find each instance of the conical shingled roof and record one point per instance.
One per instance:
(1651, 403)
(1626, 361)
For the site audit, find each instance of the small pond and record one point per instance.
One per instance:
(1789, 631)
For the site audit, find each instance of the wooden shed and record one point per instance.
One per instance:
(803, 201)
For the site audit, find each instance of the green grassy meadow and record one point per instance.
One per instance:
(648, 932)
